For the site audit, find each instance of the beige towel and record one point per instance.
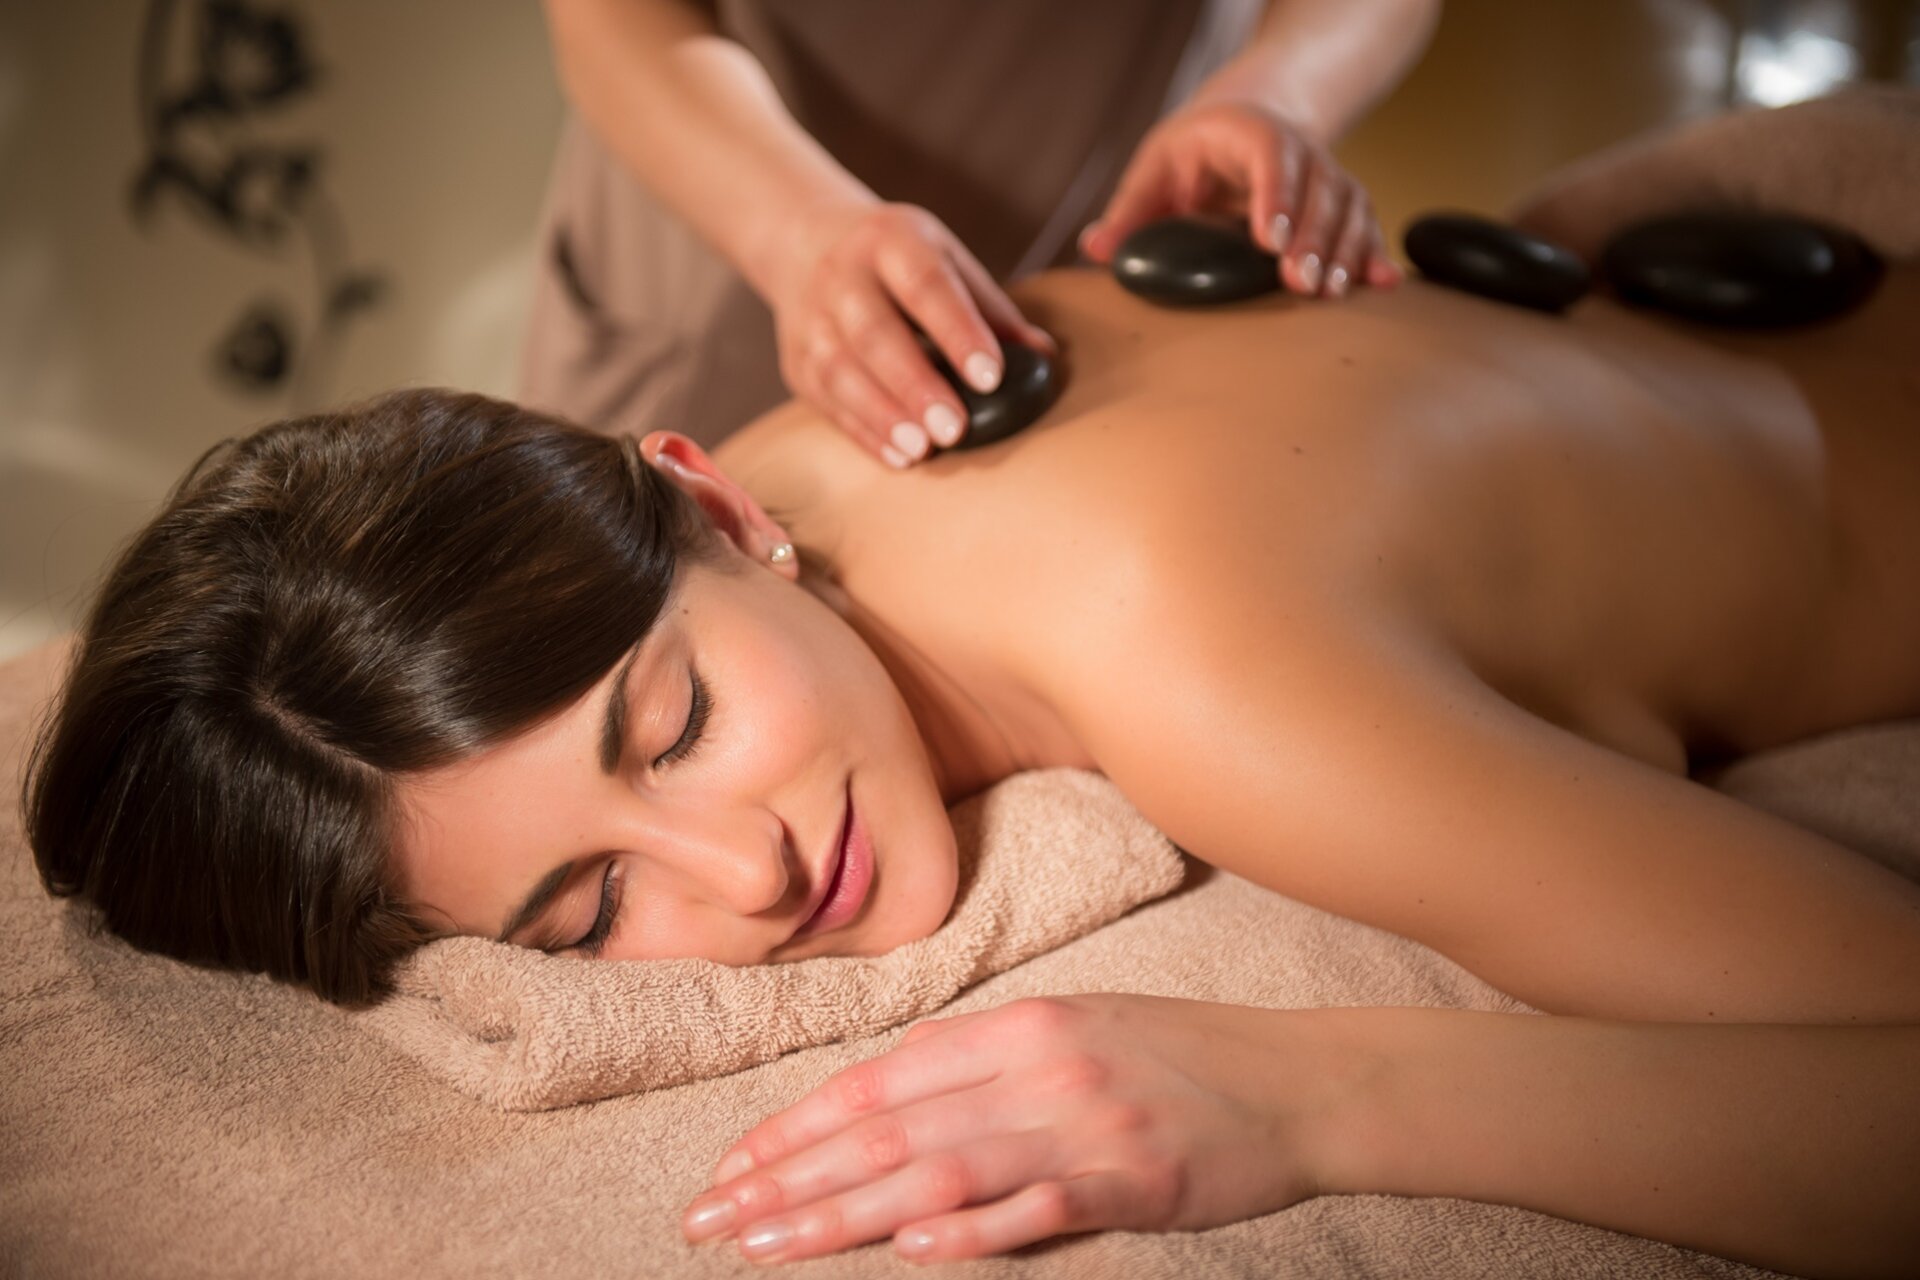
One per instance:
(1045, 858)
(1852, 159)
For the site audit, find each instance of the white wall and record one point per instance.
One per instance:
(437, 120)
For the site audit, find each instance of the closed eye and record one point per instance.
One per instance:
(699, 704)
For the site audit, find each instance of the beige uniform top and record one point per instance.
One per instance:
(1010, 120)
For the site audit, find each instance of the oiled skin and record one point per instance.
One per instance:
(1416, 607)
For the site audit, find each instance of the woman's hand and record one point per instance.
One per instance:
(856, 273)
(1237, 158)
(988, 1131)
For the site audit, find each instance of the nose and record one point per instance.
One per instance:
(737, 857)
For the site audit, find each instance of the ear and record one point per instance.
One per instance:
(731, 510)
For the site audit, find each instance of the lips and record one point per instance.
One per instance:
(846, 880)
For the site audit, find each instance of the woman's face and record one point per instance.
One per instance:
(746, 786)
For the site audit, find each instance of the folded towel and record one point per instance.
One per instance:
(1046, 857)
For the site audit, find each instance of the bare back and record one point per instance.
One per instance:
(1610, 518)
(1416, 609)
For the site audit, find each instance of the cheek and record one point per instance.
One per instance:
(800, 681)
(659, 922)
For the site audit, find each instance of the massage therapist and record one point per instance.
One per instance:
(755, 192)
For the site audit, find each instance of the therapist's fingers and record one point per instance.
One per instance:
(920, 406)
(1347, 260)
(1000, 310)
(1322, 206)
(838, 382)
(928, 288)
(1382, 271)
(1145, 192)
(1275, 192)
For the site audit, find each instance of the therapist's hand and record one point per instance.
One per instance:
(1237, 158)
(985, 1132)
(852, 276)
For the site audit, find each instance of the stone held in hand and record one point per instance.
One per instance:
(1195, 261)
(1741, 269)
(1494, 260)
(1029, 384)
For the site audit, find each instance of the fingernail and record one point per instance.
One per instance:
(943, 422)
(1282, 227)
(910, 439)
(899, 462)
(738, 1162)
(1310, 271)
(767, 1238)
(983, 371)
(1337, 282)
(915, 1241)
(710, 1220)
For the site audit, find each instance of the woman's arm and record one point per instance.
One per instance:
(1793, 1147)
(1383, 782)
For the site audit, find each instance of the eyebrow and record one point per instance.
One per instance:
(613, 725)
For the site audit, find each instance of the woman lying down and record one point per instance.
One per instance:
(1415, 609)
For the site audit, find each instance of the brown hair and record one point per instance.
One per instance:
(319, 607)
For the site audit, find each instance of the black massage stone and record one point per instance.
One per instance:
(1496, 261)
(1741, 269)
(1029, 384)
(1195, 262)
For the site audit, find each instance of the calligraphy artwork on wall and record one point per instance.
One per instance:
(214, 82)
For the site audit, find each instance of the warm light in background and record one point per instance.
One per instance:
(1792, 50)
(1772, 71)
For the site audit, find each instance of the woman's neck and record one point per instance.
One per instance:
(981, 721)
(978, 727)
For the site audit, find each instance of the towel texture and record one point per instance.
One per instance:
(1045, 858)
(163, 1121)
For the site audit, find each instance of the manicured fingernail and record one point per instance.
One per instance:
(910, 440)
(983, 371)
(1337, 283)
(1282, 228)
(1310, 271)
(943, 422)
(912, 1242)
(766, 1239)
(738, 1162)
(710, 1219)
(899, 462)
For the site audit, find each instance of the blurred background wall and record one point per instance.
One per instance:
(217, 212)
